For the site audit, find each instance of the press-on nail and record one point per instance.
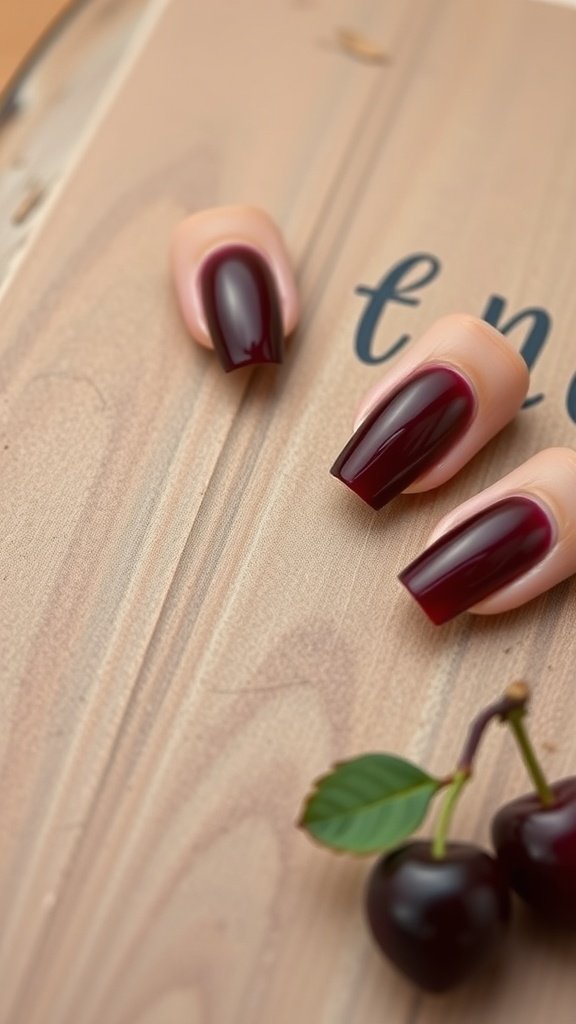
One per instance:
(406, 434)
(241, 307)
(478, 557)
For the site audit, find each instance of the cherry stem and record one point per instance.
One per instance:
(514, 700)
(446, 813)
(516, 723)
(510, 708)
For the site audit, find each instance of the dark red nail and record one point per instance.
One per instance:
(406, 434)
(478, 557)
(242, 307)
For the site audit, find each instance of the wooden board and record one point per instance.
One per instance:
(48, 108)
(196, 620)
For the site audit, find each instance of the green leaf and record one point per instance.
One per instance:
(369, 804)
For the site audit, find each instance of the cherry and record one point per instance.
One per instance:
(536, 846)
(436, 918)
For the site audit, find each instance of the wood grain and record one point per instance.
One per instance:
(48, 110)
(195, 619)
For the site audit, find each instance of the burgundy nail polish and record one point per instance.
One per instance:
(478, 557)
(406, 434)
(242, 307)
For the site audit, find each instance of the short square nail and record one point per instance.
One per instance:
(242, 307)
(406, 434)
(479, 557)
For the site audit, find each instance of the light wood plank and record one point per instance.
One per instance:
(43, 120)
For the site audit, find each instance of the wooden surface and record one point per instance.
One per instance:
(45, 114)
(196, 620)
(22, 24)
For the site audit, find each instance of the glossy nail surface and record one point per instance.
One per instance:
(241, 307)
(492, 548)
(406, 434)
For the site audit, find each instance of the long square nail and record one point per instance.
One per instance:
(406, 434)
(478, 557)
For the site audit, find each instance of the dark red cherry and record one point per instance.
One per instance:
(536, 846)
(437, 919)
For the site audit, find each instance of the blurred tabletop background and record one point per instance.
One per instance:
(56, 60)
(21, 25)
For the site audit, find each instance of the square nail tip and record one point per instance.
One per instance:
(434, 615)
(251, 364)
(376, 505)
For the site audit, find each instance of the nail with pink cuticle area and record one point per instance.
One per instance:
(506, 545)
(235, 284)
